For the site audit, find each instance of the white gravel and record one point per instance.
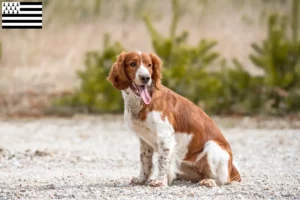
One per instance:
(95, 158)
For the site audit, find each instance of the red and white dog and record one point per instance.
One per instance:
(188, 143)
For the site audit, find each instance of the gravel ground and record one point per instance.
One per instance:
(95, 158)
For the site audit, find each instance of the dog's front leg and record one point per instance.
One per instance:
(146, 153)
(165, 146)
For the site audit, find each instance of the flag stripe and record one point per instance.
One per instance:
(21, 24)
(31, 6)
(31, 12)
(21, 27)
(22, 15)
(30, 9)
(22, 18)
(30, 3)
(22, 21)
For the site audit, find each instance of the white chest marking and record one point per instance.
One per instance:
(153, 128)
(133, 105)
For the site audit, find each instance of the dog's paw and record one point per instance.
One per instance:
(138, 181)
(157, 183)
(208, 183)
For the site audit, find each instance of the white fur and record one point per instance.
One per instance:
(146, 154)
(155, 169)
(180, 150)
(133, 106)
(217, 159)
(182, 142)
(142, 71)
(164, 145)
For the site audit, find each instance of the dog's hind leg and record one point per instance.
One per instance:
(213, 164)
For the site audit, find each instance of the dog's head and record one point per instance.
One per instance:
(137, 71)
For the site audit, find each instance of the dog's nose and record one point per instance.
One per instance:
(145, 78)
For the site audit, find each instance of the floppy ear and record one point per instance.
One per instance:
(117, 76)
(156, 76)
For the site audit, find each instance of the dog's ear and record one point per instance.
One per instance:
(156, 76)
(117, 76)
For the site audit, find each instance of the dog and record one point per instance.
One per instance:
(188, 144)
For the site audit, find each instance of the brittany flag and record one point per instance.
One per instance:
(22, 15)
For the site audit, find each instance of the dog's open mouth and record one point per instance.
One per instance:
(141, 91)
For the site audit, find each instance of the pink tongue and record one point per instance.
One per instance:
(144, 94)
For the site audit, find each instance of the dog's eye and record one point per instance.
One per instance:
(149, 65)
(133, 64)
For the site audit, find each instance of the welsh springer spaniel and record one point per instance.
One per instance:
(188, 143)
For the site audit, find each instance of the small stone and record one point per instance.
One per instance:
(192, 194)
(219, 192)
(51, 186)
(41, 153)
(16, 163)
(86, 158)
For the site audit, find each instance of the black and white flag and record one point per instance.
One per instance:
(22, 15)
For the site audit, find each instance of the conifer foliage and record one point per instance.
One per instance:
(187, 69)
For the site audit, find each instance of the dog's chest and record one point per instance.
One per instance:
(144, 129)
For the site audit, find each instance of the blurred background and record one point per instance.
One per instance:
(230, 57)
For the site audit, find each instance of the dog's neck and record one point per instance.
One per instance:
(132, 103)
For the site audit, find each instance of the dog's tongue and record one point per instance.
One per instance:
(144, 94)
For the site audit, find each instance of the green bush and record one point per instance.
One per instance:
(185, 67)
(188, 71)
(238, 92)
(279, 57)
(277, 91)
